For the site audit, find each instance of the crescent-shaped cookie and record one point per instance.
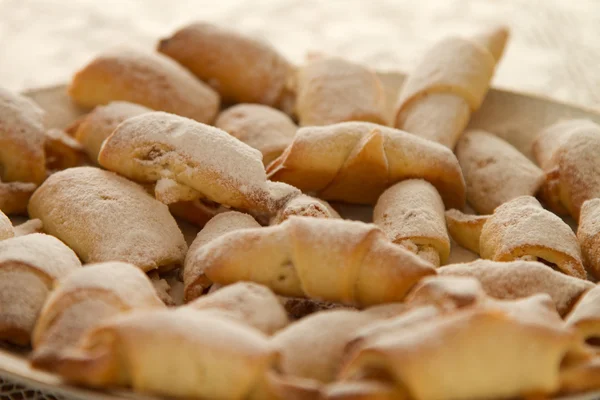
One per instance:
(495, 172)
(264, 128)
(411, 213)
(105, 217)
(332, 90)
(84, 299)
(304, 206)
(323, 258)
(242, 69)
(29, 267)
(448, 85)
(206, 159)
(149, 79)
(356, 161)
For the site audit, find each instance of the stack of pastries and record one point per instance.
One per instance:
(278, 296)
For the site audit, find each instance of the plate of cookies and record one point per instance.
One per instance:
(206, 220)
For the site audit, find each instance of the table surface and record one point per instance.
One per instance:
(554, 49)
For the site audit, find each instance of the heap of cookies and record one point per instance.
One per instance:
(281, 298)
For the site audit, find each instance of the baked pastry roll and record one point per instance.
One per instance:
(14, 196)
(84, 299)
(194, 279)
(448, 85)
(487, 342)
(6, 228)
(446, 292)
(517, 279)
(22, 156)
(519, 229)
(304, 206)
(495, 172)
(28, 227)
(179, 353)
(356, 161)
(581, 376)
(92, 129)
(588, 234)
(62, 151)
(145, 78)
(29, 266)
(568, 153)
(327, 259)
(242, 69)
(247, 302)
(264, 128)
(585, 316)
(411, 213)
(206, 159)
(105, 217)
(332, 90)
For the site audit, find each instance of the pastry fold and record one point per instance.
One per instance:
(411, 214)
(92, 129)
(14, 197)
(448, 85)
(495, 172)
(304, 206)
(494, 350)
(62, 151)
(332, 90)
(177, 353)
(6, 228)
(568, 153)
(149, 79)
(195, 280)
(521, 229)
(105, 217)
(588, 234)
(328, 259)
(242, 69)
(356, 161)
(247, 302)
(585, 315)
(264, 128)
(29, 267)
(84, 299)
(517, 279)
(158, 145)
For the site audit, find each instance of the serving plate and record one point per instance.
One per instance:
(513, 116)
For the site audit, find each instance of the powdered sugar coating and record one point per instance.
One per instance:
(105, 217)
(518, 279)
(588, 234)
(14, 196)
(21, 139)
(158, 145)
(495, 172)
(332, 90)
(145, 78)
(6, 228)
(304, 206)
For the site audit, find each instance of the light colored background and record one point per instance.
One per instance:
(555, 48)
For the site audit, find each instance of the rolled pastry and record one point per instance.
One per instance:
(28, 227)
(22, 138)
(520, 229)
(465, 228)
(158, 145)
(517, 279)
(446, 292)
(356, 161)
(332, 90)
(327, 259)
(93, 128)
(264, 128)
(247, 302)
(411, 214)
(568, 153)
(495, 172)
(84, 299)
(304, 206)
(242, 69)
(194, 279)
(487, 342)
(582, 376)
(585, 316)
(14, 196)
(29, 267)
(148, 79)
(176, 353)
(6, 228)
(588, 234)
(105, 217)
(62, 151)
(448, 85)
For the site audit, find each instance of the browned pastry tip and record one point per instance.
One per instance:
(62, 151)
(465, 229)
(14, 196)
(588, 234)
(28, 227)
(580, 377)
(149, 79)
(6, 228)
(446, 292)
(494, 40)
(585, 316)
(242, 69)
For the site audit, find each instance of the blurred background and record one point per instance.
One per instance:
(554, 48)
